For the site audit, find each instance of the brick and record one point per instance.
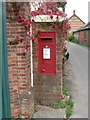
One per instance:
(47, 86)
(19, 72)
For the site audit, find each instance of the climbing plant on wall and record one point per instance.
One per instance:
(15, 12)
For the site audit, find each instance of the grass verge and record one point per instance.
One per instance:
(80, 43)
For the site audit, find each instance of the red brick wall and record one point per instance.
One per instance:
(19, 73)
(81, 36)
(47, 88)
(75, 23)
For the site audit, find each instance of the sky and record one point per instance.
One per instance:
(81, 8)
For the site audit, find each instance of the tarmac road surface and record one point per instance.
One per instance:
(77, 79)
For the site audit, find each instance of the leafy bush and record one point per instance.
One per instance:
(70, 37)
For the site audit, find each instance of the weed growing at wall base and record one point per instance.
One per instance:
(68, 105)
(65, 104)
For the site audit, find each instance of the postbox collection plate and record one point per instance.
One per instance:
(46, 53)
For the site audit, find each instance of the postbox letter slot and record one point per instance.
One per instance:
(46, 38)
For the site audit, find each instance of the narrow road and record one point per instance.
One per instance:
(77, 79)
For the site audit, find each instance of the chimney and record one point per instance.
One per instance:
(74, 11)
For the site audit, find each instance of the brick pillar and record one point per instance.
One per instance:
(47, 88)
(21, 93)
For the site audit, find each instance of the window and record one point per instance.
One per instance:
(76, 36)
(85, 35)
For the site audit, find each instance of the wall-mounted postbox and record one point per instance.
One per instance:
(47, 53)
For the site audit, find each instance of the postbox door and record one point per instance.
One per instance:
(47, 53)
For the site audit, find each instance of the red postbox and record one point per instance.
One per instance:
(47, 53)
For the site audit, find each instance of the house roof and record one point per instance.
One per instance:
(74, 14)
(85, 27)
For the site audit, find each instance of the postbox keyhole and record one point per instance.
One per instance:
(46, 46)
